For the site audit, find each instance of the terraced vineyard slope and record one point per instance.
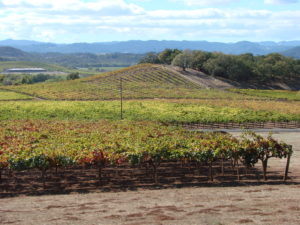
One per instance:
(138, 82)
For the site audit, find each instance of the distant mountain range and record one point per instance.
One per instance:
(141, 47)
(73, 60)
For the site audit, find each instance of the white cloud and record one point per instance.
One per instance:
(206, 2)
(226, 2)
(104, 20)
(111, 7)
(276, 2)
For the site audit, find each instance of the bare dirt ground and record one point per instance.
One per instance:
(201, 79)
(271, 202)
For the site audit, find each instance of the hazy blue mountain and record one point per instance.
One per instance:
(11, 52)
(141, 47)
(293, 52)
(289, 43)
(71, 59)
(11, 42)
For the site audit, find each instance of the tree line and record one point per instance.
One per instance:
(244, 67)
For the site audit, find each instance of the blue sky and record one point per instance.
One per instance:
(68, 21)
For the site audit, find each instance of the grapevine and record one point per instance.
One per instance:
(45, 145)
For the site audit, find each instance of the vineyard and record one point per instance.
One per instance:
(137, 82)
(167, 111)
(288, 107)
(50, 147)
(81, 143)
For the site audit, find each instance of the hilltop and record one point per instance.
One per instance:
(138, 82)
(10, 52)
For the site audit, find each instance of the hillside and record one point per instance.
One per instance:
(293, 52)
(10, 52)
(214, 82)
(138, 82)
(87, 60)
(204, 80)
(72, 60)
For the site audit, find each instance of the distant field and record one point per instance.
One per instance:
(49, 67)
(274, 94)
(150, 110)
(8, 95)
(110, 68)
(22, 64)
(138, 82)
(87, 72)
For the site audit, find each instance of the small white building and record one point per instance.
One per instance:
(25, 70)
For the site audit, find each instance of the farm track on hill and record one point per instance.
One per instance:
(201, 79)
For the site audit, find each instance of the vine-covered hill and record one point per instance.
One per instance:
(138, 82)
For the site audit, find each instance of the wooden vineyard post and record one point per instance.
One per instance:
(43, 173)
(222, 166)
(265, 165)
(238, 170)
(155, 175)
(121, 98)
(100, 174)
(211, 171)
(287, 167)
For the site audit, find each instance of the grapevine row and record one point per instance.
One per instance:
(44, 145)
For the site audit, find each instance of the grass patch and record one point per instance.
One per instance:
(273, 94)
(9, 95)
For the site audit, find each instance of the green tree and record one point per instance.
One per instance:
(26, 80)
(198, 60)
(218, 65)
(150, 58)
(228, 66)
(73, 76)
(168, 55)
(183, 60)
(2, 78)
